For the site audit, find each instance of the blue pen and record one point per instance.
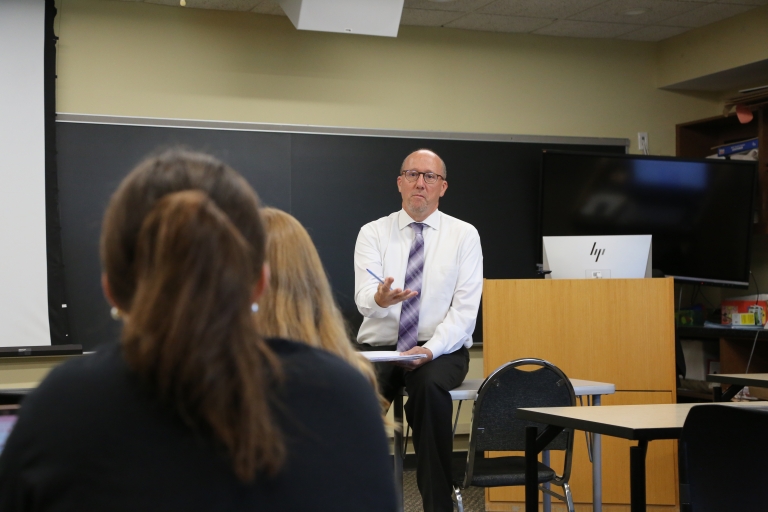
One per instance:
(377, 277)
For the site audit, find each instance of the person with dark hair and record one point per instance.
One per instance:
(194, 409)
(426, 304)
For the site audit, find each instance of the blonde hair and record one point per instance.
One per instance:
(298, 304)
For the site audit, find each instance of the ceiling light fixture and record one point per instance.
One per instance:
(636, 12)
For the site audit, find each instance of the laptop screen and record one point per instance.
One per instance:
(7, 421)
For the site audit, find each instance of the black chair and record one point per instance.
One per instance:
(495, 428)
(725, 451)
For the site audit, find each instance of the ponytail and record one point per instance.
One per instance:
(190, 333)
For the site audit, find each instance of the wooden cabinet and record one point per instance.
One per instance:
(696, 139)
(608, 330)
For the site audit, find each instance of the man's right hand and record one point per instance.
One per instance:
(385, 296)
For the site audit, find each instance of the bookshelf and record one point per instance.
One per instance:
(735, 348)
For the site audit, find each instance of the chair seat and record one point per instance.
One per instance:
(499, 471)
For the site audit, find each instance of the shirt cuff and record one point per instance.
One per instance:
(377, 311)
(435, 347)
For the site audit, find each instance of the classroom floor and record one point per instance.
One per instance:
(473, 497)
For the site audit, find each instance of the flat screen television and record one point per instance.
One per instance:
(699, 212)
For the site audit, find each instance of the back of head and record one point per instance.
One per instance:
(168, 172)
(299, 304)
(183, 248)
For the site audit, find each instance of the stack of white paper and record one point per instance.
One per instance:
(390, 355)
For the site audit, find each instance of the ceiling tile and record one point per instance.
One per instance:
(573, 28)
(615, 11)
(498, 23)
(658, 20)
(455, 5)
(425, 18)
(653, 33)
(539, 8)
(269, 7)
(710, 13)
(223, 5)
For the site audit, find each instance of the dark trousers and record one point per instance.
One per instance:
(429, 411)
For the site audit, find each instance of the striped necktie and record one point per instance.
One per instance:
(407, 336)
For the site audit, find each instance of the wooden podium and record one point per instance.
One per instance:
(608, 330)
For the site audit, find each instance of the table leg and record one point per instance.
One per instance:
(531, 478)
(398, 451)
(637, 476)
(533, 446)
(546, 498)
(597, 466)
(733, 389)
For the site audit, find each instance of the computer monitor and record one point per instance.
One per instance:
(597, 257)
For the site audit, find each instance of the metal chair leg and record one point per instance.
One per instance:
(456, 421)
(546, 499)
(459, 501)
(568, 496)
(405, 441)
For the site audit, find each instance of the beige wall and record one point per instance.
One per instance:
(728, 44)
(27, 372)
(136, 59)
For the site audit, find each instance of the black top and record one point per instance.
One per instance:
(90, 438)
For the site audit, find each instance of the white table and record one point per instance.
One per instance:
(642, 423)
(737, 382)
(468, 391)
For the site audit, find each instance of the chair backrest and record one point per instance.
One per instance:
(494, 423)
(726, 456)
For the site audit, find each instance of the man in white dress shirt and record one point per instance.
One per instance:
(432, 265)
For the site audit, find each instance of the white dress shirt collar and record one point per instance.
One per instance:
(433, 221)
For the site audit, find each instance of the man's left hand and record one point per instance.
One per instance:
(412, 365)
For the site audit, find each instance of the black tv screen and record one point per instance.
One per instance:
(699, 212)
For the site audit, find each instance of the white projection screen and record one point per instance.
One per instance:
(23, 264)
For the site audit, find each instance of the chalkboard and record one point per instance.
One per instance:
(332, 183)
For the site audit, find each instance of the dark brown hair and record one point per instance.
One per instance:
(182, 247)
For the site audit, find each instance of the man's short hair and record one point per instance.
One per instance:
(445, 170)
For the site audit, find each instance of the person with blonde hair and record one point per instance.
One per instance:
(194, 409)
(298, 304)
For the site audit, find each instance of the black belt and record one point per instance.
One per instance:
(366, 347)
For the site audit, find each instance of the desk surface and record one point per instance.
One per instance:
(741, 379)
(633, 422)
(590, 387)
(468, 389)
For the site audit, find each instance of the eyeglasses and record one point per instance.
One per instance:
(429, 176)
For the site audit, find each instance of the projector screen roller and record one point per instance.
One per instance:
(23, 265)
